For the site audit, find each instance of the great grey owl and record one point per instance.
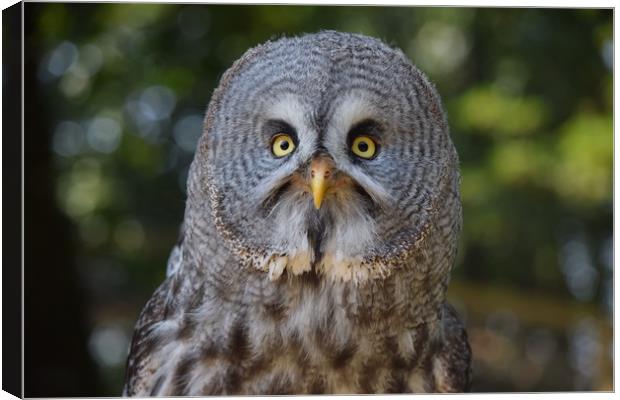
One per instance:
(320, 228)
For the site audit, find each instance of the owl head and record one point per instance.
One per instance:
(328, 153)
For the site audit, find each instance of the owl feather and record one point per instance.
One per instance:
(321, 225)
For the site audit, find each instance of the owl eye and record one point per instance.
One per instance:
(364, 147)
(282, 145)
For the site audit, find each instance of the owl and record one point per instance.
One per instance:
(321, 224)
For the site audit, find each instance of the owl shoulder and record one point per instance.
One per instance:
(452, 361)
(138, 376)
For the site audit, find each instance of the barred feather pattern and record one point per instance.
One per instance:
(265, 294)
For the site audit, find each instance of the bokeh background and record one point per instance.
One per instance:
(115, 96)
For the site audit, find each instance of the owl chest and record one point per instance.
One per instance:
(326, 366)
(302, 352)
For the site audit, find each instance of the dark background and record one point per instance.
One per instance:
(115, 95)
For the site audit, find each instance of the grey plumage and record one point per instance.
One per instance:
(266, 294)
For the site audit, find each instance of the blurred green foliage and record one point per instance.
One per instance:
(529, 99)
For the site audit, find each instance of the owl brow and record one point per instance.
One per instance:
(367, 127)
(275, 126)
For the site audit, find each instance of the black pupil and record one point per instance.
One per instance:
(362, 146)
(284, 145)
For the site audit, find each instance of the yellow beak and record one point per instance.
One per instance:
(320, 171)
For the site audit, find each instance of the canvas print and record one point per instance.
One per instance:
(265, 199)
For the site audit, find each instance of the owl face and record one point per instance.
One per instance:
(326, 153)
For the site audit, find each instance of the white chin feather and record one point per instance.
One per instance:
(351, 234)
(296, 264)
(350, 269)
(334, 268)
(276, 267)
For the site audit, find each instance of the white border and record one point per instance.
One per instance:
(453, 3)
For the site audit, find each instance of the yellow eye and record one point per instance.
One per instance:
(364, 147)
(282, 145)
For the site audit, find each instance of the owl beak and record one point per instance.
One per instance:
(321, 169)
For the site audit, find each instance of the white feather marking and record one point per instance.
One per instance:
(375, 190)
(353, 108)
(300, 261)
(174, 261)
(165, 327)
(276, 267)
(289, 108)
(416, 382)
